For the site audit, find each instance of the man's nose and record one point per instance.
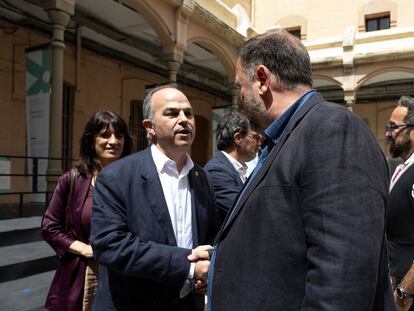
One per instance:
(388, 133)
(182, 117)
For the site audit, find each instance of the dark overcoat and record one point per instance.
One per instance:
(308, 231)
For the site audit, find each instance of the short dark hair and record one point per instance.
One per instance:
(408, 102)
(230, 124)
(88, 162)
(282, 53)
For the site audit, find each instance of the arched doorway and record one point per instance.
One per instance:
(199, 150)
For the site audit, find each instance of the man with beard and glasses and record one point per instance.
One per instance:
(307, 231)
(237, 143)
(149, 211)
(400, 214)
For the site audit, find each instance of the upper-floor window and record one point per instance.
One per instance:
(377, 22)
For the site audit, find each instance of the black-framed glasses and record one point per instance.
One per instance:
(389, 128)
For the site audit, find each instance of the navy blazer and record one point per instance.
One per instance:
(308, 231)
(132, 235)
(226, 182)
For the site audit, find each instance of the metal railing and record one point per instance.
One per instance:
(32, 172)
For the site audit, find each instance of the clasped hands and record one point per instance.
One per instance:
(200, 256)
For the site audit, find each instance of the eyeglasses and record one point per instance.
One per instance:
(254, 136)
(389, 128)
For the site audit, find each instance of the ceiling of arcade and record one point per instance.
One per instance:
(148, 33)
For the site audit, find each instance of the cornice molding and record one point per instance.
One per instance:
(217, 26)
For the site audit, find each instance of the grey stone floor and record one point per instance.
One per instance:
(26, 294)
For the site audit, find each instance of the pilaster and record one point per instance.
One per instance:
(59, 12)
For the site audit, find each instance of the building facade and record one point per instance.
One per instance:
(362, 51)
(106, 54)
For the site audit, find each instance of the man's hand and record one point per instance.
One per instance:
(200, 287)
(201, 270)
(200, 253)
(407, 283)
(201, 258)
(402, 305)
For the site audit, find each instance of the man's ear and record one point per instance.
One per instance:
(263, 76)
(237, 138)
(149, 126)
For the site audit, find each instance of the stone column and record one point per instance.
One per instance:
(234, 91)
(173, 53)
(59, 12)
(173, 67)
(348, 67)
(349, 98)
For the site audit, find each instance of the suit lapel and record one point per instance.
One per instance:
(155, 196)
(192, 180)
(223, 159)
(199, 212)
(296, 119)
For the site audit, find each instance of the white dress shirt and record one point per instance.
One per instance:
(240, 168)
(177, 195)
(175, 187)
(252, 164)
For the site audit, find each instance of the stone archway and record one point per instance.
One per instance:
(330, 88)
(227, 58)
(199, 152)
(385, 83)
(158, 15)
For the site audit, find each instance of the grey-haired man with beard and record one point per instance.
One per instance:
(307, 231)
(400, 214)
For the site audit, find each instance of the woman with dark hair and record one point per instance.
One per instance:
(66, 221)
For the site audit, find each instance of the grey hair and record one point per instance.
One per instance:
(230, 124)
(407, 102)
(282, 53)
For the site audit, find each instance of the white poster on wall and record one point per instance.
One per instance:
(38, 72)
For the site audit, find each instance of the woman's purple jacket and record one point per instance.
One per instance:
(66, 290)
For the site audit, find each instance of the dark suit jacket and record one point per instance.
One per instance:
(226, 182)
(308, 232)
(132, 235)
(400, 218)
(66, 290)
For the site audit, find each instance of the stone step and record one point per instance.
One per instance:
(26, 259)
(20, 230)
(20, 223)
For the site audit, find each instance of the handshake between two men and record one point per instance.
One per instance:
(201, 257)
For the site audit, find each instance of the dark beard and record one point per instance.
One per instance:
(402, 149)
(254, 108)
